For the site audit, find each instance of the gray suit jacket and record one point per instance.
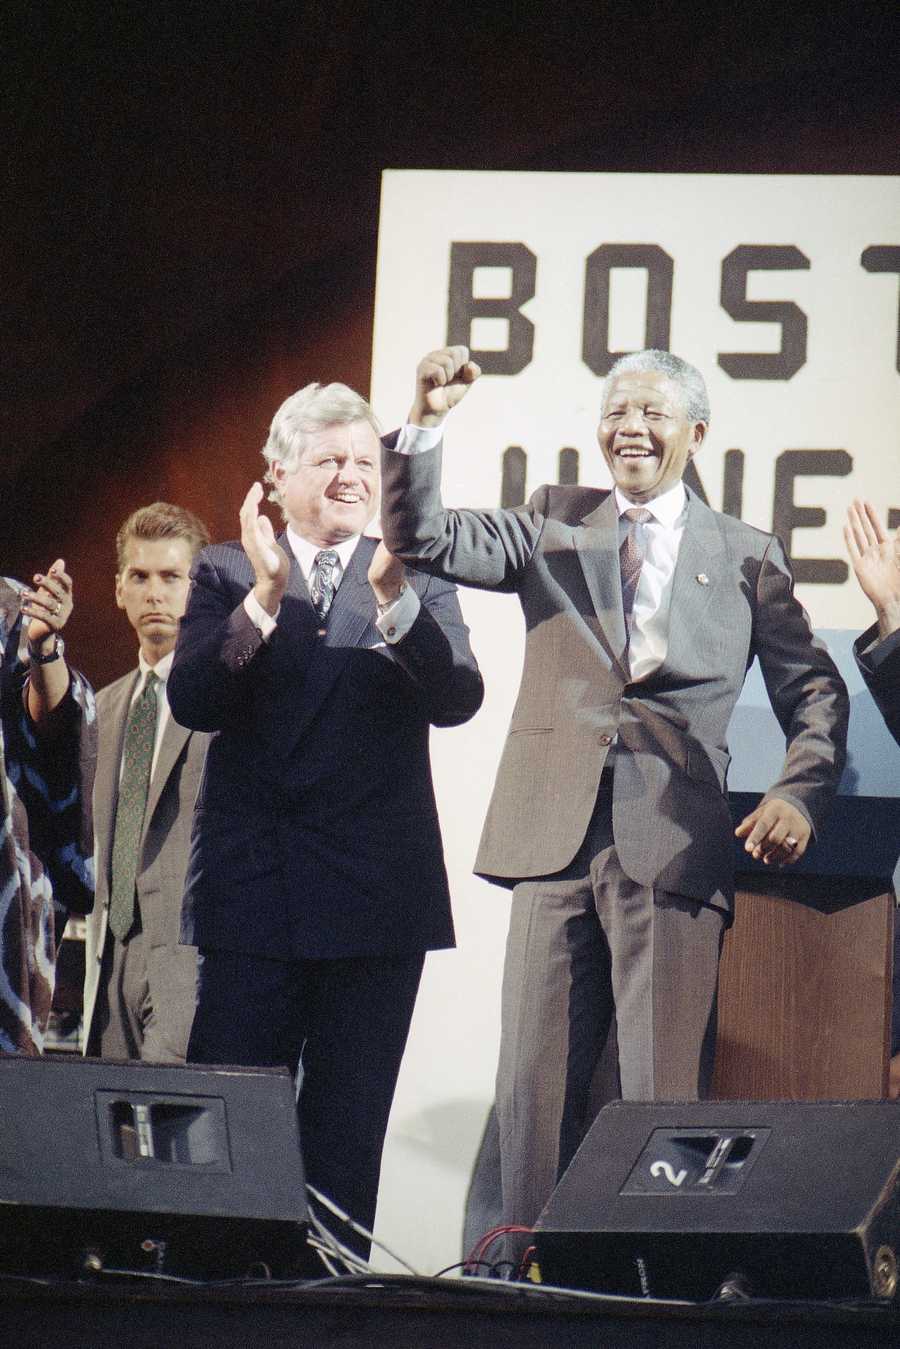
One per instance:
(732, 599)
(165, 849)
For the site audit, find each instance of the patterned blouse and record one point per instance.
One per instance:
(45, 833)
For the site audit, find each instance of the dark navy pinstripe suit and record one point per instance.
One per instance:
(316, 881)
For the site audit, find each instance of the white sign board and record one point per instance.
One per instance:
(784, 292)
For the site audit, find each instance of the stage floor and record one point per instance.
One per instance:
(396, 1312)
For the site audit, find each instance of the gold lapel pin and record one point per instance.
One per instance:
(702, 578)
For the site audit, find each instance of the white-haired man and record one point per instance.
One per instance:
(316, 882)
(609, 817)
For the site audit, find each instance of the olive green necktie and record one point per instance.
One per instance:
(140, 737)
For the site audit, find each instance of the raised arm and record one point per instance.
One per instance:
(486, 549)
(220, 645)
(875, 555)
(50, 737)
(48, 607)
(435, 650)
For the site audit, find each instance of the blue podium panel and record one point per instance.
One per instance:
(862, 834)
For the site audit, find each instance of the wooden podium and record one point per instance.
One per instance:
(805, 980)
(805, 990)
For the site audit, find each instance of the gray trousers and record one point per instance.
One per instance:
(145, 1000)
(585, 944)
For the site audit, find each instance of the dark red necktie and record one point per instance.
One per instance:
(631, 559)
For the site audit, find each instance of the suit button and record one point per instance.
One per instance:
(606, 740)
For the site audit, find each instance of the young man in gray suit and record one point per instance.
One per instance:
(609, 817)
(140, 984)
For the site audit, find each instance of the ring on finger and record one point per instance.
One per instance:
(790, 841)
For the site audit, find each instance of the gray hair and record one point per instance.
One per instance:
(687, 377)
(302, 415)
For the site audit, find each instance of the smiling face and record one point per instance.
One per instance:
(646, 436)
(333, 492)
(152, 588)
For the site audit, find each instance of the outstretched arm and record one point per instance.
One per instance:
(810, 701)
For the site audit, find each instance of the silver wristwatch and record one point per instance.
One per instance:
(383, 608)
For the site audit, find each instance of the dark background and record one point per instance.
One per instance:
(192, 202)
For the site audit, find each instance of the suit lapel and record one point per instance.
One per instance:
(350, 623)
(698, 573)
(109, 760)
(111, 737)
(174, 739)
(353, 611)
(597, 545)
(297, 620)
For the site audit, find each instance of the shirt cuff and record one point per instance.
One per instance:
(418, 439)
(874, 650)
(396, 621)
(258, 616)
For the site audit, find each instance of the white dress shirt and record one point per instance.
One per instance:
(417, 439)
(393, 624)
(650, 615)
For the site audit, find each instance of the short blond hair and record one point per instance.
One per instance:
(161, 520)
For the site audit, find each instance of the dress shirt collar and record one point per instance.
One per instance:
(305, 552)
(667, 508)
(160, 669)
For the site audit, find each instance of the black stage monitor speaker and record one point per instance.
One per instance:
(801, 1199)
(161, 1168)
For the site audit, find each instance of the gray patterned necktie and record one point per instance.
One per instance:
(631, 559)
(137, 757)
(321, 582)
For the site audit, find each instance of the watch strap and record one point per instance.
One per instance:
(388, 604)
(38, 657)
